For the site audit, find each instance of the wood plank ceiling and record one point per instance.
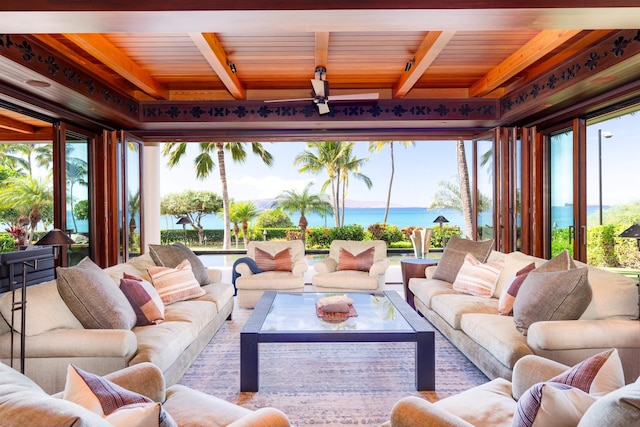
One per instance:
(277, 60)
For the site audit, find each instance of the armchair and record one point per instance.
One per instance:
(352, 265)
(280, 266)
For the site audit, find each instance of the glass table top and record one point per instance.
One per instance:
(297, 312)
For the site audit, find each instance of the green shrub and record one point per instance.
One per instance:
(7, 242)
(386, 232)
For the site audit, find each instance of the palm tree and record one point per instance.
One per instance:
(324, 156)
(465, 188)
(76, 174)
(233, 217)
(27, 194)
(292, 201)
(22, 156)
(244, 213)
(204, 164)
(350, 165)
(378, 146)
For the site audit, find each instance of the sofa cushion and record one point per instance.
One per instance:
(24, 403)
(614, 296)
(172, 255)
(597, 375)
(510, 291)
(46, 310)
(94, 298)
(117, 272)
(451, 307)
(477, 278)
(117, 405)
(175, 284)
(551, 295)
(360, 262)
(454, 253)
(551, 404)
(496, 334)
(144, 299)
(425, 289)
(277, 262)
(618, 408)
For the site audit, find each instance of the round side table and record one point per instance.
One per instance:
(413, 268)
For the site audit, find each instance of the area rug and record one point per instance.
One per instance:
(327, 384)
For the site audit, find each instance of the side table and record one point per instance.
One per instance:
(413, 268)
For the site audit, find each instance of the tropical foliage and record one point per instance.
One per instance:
(204, 164)
(192, 204)
(243, 213)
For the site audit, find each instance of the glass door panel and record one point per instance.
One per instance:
(484, 186)
(133, 197)
(562, 190)
(78, 196)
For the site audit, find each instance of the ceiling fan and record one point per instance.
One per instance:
(320, 93)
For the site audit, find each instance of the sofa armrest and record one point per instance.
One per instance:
(583, 334)
(82, 343)
(414, 411)
(378, 268)
(215, 275)
(299, 267)
(263, 417)
(144, 378)
(243, 269)
(430, 271)
(532, 369)
(327, 265)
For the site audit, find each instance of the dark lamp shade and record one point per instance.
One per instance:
(440, 219)
(184, 220)
(633, 231)
(55, 237)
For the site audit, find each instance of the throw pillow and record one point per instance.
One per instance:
(174, 254)
(618, 408)
(476, 278)
(597, 375)
(278, 262)
(144, 299)
(360, 262)
(175, 284)
(508, 296)
(554, 291)
(94, 298)
(551, 404)
(453, 256)
(117, 405)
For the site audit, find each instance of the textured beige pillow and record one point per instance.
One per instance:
(454, 253)
(94, 298)
(552, 295)
(618, 408)
(174, 254)
(176, 284)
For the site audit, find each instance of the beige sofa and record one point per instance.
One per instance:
(55, 337)
(336, 275)
(492, 342)
(275, 277)
(495, 403)
(23, 403)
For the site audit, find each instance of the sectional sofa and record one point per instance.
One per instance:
(55, 337)
(493, 342)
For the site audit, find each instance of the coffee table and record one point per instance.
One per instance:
(291, 317)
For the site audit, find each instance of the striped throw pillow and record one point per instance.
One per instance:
(278, 262)
(361, 262)
(476, 278)
(144, 299)
(175, 284)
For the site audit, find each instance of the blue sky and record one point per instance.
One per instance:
(417, 173)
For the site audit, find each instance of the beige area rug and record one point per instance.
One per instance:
(328, 384)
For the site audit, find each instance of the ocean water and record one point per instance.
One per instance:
(402, 217)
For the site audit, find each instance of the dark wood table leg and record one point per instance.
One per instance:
(425, 361)
(248, 362)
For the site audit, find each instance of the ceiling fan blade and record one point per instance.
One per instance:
(320, 88)
(323, 107)
(289, 100)
(354, 97)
